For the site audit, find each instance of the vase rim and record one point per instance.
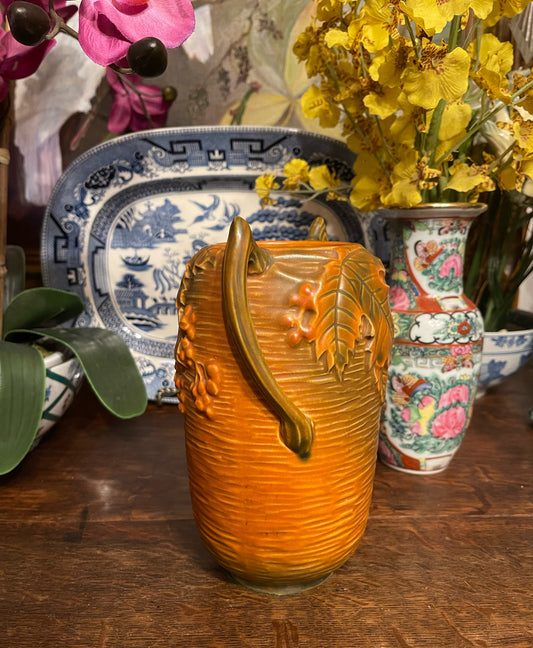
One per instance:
(467, 209)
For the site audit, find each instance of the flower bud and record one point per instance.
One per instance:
(148, 57)
(28, 22)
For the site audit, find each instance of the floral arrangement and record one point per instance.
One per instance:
(129, 38)
(425, 96)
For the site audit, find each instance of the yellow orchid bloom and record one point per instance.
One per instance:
(507, 8)
(455, 119)
(320, 178)
(339, 38)
(522, 129)
(264, 184)
(388, 67)
(328, 9)
(296, 172)
(409, 176)
(466, 177)
(439, 75)
(433, 15)
(481, 8)
(377, 24)
(382, 101)
(316, 105)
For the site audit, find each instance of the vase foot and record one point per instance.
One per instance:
(411, 471)
(277, 590)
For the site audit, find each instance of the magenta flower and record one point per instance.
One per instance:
(18, 61)
(136, 106)
(108, 27)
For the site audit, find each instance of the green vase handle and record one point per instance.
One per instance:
(243, 256)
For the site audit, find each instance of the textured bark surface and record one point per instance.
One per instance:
(99, 548)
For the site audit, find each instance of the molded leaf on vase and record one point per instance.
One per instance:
(353, 305)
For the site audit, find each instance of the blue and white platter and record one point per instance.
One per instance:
(126, 216)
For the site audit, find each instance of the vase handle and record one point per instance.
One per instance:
(242, 256)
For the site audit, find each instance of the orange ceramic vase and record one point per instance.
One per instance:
(281, 364)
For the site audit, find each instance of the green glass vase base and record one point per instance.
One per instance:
(277, 590)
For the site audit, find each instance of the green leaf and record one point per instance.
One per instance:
(108, 365)
(22, 384)
(41, 307)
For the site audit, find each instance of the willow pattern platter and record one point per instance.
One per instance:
(126, 216)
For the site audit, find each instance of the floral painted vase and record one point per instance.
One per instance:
(438, 338)
(281, 365)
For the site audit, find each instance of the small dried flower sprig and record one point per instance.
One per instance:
(305, 180)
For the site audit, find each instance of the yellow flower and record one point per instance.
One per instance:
(296, 172)
(495, 62)
(328, 9)
(409, 121)
(481, 8)
(455, 119)
(518, 176)
(439, 75)
(409, 176)
(526, 98)
(433, 15)
(507, 8)
(338, 38)
(315, 104)
(369, 184)
(522, 128)
(382, 101)
(320, 178)
(467, 177)
(377, 23)
(264, 185)
(388, 67)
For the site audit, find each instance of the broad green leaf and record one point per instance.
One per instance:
(108, 365)
(22, 384)
(41, 307)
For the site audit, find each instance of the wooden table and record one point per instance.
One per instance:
(98, 547)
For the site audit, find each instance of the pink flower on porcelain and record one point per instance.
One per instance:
(405, 413)
(416, 428)
(399, 299)
(461, 350)
(128, 111)
(456, 394)
(387, 454)
(426, 401)
(453, 263)
(108, 27)
(449, 423)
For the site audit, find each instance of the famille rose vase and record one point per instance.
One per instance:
(281, 364)
(438, 338)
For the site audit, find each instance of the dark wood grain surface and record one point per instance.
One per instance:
(98, 548)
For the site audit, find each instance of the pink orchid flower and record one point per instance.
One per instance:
(128, 112)
(18, 61)
(108, 27)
